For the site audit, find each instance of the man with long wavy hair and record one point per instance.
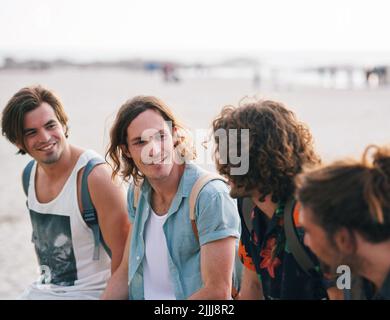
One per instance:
(164, 259)
(278, 147)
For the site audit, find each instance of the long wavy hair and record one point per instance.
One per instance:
(279, 147)
(123, 165)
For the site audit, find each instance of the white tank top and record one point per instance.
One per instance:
(64, 244)
(157, 278)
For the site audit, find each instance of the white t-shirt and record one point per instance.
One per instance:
(157, 279)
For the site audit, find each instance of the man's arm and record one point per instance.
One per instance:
(335, 294)
(251, 288)
(217, 260)
(109, 199)
(117, 287)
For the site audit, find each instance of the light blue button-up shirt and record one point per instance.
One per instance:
(216, 218)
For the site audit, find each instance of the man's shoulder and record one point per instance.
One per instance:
(195, 172)
(206, 193)
(88, 154)
(90, 158)
(94, 169)
(214, 186)
(82, 157)
(99, 175)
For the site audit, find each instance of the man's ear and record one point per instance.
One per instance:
(174, 132)
(176, 136)
(66, 131)
(345, 241)
(20, 147)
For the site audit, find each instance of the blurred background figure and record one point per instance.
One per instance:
(169, 72)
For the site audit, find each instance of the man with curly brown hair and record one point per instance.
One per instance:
(277, 147)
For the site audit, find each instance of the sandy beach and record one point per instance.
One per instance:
(343, 122)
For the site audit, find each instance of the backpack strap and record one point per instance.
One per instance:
(246, 207)
(26, 176)
(89, 212)
(293, 241)
(197, 187)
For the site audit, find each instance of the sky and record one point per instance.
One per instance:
(97, 28)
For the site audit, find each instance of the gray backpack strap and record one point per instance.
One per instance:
(247, 206)
(89, 212)
(293, 241)
(26, 176)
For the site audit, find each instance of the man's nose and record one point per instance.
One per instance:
(44, 136)
(155, 147)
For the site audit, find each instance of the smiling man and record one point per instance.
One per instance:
(165, 258)
(68, 190)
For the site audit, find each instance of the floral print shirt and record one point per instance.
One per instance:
(263, 249)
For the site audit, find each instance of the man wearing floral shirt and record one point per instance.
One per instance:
(278, 146)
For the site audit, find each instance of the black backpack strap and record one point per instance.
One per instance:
(293, 241)
(89, 212)
(247, 207)
(26, 176)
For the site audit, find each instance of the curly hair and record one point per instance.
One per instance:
(122, 164)
(279, 147)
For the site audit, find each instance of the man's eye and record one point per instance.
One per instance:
(29, 134)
